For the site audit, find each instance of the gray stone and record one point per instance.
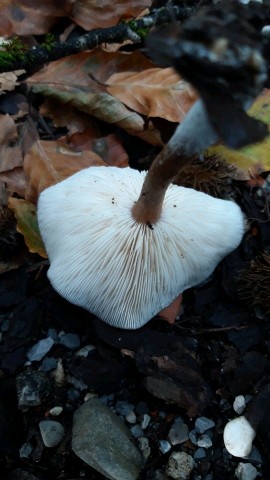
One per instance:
(179, 433)
(102, 440)
(204, 441)
(32, 388)
(193, 437)
(25, 450)
(137, 431)
(180, 466)
(52, 432)
(144, 447)
(164, 446)
(202, 424)
(199, 454)
(40, 349)
(254, 456)
(71, 341)
(48, 364)
(246, 471)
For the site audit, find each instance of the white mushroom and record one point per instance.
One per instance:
(238, 436)
(123, 244)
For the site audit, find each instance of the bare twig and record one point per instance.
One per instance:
(39, 55)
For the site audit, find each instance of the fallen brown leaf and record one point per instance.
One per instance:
(10, 152)
(156, 92)
(49, 162)
(91, 14)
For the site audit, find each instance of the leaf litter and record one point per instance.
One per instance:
(98, 108)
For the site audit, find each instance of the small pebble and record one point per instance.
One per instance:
(202, 424)
(73, 394)
(239, 404)
(70, 341)
(84, 351)
(246, 471)
(76, 383)
(164, 446)
(52, 332)
(144, 447)
(123, 408)
(180, 466)
(193, 437)
(40, 349)
(131, 417)
(254, 456)
(145, 421)
(204, 441)
(25, 450)
(52, 432)
(179, 433)
(89, 395)
(48, 364)
(137, 431)
(32, 388)
(107, 399)
(55, 411)
(199, 454)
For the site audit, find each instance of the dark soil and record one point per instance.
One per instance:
(220, 345)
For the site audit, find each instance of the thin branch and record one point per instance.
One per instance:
(39, 55)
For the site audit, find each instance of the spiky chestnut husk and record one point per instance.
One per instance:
(254, 282)
(212, 175)
(8, 233)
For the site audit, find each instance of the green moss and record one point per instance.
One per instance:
(49, 42)
(142, 32)
(12, 53)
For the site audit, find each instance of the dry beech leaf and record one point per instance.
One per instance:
(8, 80)
(90, 96)
(64, 115)
(15, 181)
(170, 313)
(91, 14)
(49, 162)
(27, 225)
(109, 148)
(10, 153)
(24, 18)
(156, 92)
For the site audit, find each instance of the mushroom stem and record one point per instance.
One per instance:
(192, 136)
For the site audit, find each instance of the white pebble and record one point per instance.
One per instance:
(131, 417)
(239, 404)
(238, 436)
(55, 411)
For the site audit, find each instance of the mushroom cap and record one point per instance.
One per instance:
(238, 436)
(123, 271)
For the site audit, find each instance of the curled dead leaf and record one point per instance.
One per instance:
(27, 225)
